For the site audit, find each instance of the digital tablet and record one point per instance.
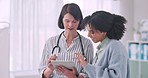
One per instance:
(68, 64)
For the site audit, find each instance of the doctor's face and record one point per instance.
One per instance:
(95, 35)
(69, 22)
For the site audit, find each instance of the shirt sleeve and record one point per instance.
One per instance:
(90, 53)
(89, 57)
(44, 58)
(116, 66)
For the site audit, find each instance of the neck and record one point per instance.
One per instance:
(69, 37)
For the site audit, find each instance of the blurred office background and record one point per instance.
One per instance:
(25, 25)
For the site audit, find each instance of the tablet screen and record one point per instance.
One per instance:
(68, 64)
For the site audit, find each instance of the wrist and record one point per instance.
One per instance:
(47, 73)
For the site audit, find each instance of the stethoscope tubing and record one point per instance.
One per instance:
(57, 46)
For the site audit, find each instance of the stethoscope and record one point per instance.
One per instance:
(58, 47)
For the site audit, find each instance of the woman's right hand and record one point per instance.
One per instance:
(48, 71)
(81, 59)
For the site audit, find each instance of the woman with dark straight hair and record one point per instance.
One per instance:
(63, 46)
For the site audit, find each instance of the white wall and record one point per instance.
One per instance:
(140, 10)
(4, 53)
(134, 11)
(127, 11)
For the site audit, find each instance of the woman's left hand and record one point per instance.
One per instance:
(67, 72)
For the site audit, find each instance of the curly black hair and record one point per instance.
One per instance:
(104, 21)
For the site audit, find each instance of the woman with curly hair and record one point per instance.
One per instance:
(111, 59)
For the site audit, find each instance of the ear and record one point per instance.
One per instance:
(104, 33)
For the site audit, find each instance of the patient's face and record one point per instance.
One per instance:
(95, 35)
